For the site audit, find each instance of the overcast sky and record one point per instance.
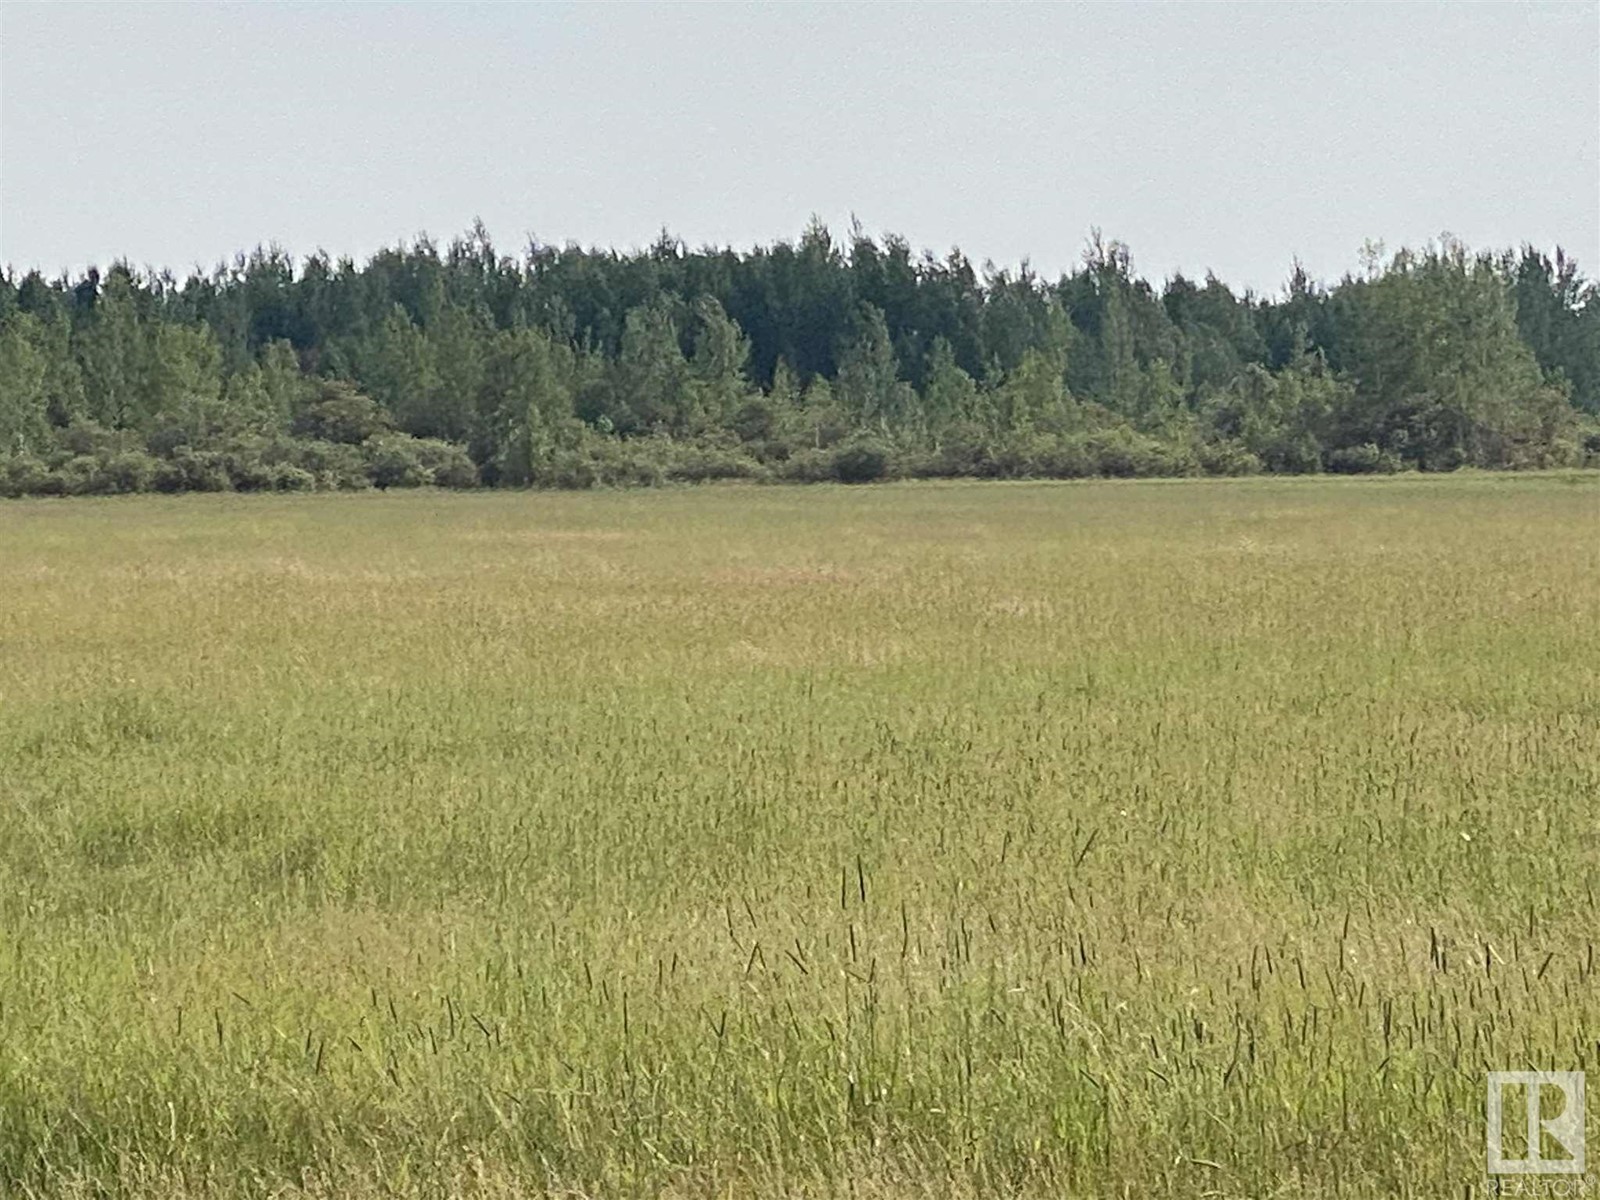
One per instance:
(1232, 137)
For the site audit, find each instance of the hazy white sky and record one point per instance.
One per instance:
(1233, 137)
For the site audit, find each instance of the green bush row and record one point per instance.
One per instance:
(98, 463)
(1118, 452)
(92, 461)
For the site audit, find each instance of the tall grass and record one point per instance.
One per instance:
(1105, 839)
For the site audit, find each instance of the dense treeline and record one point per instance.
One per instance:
(805, 360)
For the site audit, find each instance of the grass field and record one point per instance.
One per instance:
(1134, 839)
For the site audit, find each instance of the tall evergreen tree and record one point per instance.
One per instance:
(869, 386)
(24, 394)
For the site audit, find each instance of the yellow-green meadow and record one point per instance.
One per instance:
(1116, 838)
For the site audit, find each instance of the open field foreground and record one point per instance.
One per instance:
(1132, 839)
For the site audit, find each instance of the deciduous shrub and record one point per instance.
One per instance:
(446, 464)
(23, 475)
(809, 465)
(338, 412)
(1366, 459)
(1123, 453)
(1227, 458)
(860, 461)
(700, 463)
(191, 470)
(394, 462)
(336, 466)
(126, 471)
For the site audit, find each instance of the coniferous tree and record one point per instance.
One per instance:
(109, 345)
(951, 396)
(526, 406)
(456, 349)
(651, 384)
(721, 354)
(397, 364)
(1558, 316)
(24, 395)
(1442, 376)
(869, 386)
